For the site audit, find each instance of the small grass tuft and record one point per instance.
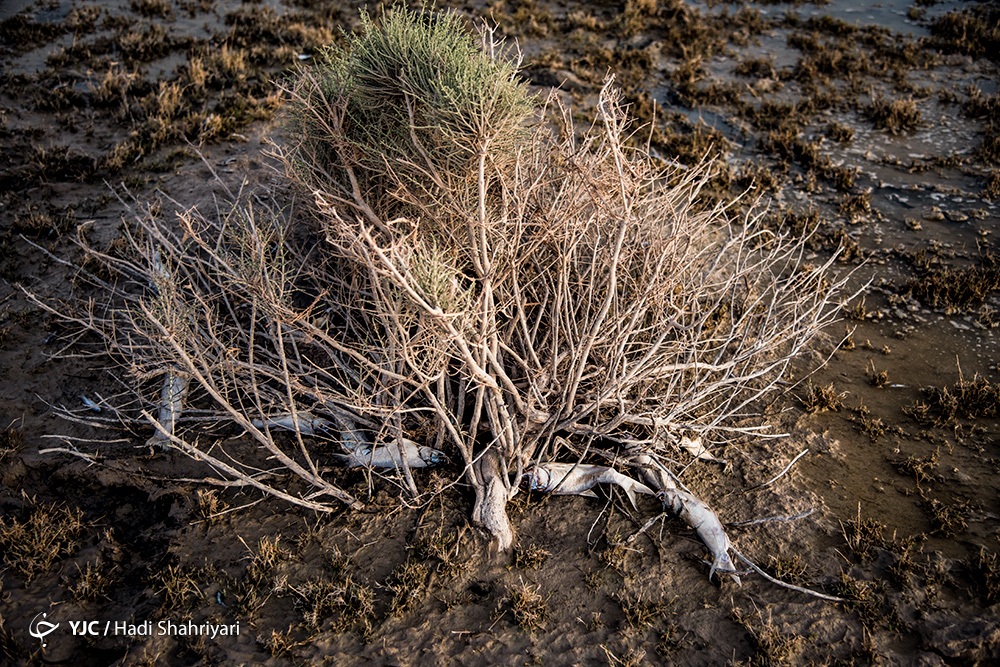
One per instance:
(876, 378)
(529, 556)
(279, 643)
(406, 585)
(894, 116)
(180, 586)
(527, 605)
(948, 519)
(864, 536)
(771, 647)
(641, 612)
(11, 442)
(210, 506)
(956, 290)
(873, 426)
(790, 568)
(347, 603)
(921, 468)
(92, 584)
(821, 399)
(966, 399)
(855, 207)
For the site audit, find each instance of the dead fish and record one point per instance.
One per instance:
(93, 407)
(580, 479)
(695, 513)
(303, 421)
(694, 447)
(172, 395)
(387, 456)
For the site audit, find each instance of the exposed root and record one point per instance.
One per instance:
(490, 508)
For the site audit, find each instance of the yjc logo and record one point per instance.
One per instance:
(40, 628)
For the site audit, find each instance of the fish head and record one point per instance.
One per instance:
(431, 456)
(537, 478)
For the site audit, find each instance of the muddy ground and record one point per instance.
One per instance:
(878, 127)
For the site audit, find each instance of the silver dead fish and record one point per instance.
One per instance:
(172, 395)
(387, 456)
(304, 422)
(694, 512)
(580, 479)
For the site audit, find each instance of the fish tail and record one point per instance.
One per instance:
(724, 565)
(631, 495)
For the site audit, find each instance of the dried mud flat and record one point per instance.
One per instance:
(879, 127)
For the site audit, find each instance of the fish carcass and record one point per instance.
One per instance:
(694, 512)
(580, 479)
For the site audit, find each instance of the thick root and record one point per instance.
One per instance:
(490, 509)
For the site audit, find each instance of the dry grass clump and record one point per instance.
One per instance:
(465, 259)
(895, 116)
(966, 399)
(93, 583)
(948, 519)
(406, 583)
(821, 399)
(344, 603)
(529, 556)
(956, 289)
(771, 646)
(11, 438)
(527, 605)
(42, 534)
(973, 31)
(640, 609)
(922, 468)
(181, 586)
(865, 536)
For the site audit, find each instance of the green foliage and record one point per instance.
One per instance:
(419, 70)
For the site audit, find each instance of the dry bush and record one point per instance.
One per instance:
(466, 259)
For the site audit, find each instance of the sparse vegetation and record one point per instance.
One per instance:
(985, 568)
(88, 108)
(955, 290)
(966, 399)
(180, 586)
(641, 611)
(921, 468)
(771, 646)
(895, 116)
(38, 536)
(11, 438)
(873, 426)
(821, 399)
(876, 378)
(529, 556)
(93, 583)
(949, 518)
(864, 535)
(344, 603)
(527, 605)
(407, 585)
